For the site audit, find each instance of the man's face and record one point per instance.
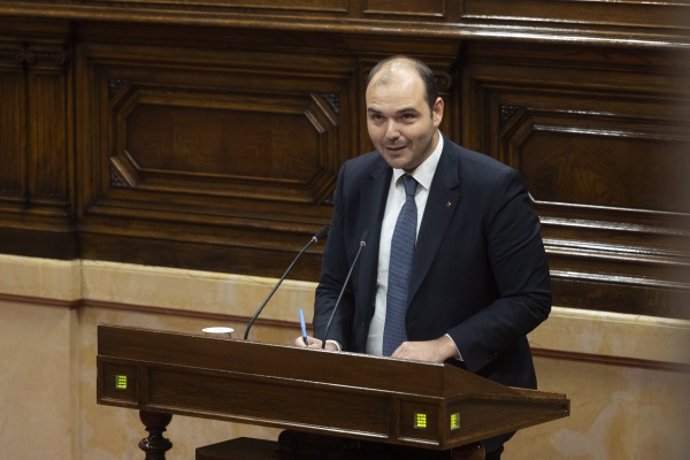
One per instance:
(401, 125)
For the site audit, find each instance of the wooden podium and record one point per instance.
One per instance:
(353, 396)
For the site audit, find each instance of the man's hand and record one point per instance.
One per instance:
(435, 351)
(314, 343)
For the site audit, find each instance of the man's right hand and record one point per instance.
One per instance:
(313, 342)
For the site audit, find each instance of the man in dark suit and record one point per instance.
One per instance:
(476, 279)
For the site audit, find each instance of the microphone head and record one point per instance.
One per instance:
(365, 237)
(323, 233)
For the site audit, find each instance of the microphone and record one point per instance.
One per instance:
(317, 236)
(362, 243)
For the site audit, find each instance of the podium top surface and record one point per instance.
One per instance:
(327, 367)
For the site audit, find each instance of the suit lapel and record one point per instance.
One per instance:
(443, 200)
(374, 192)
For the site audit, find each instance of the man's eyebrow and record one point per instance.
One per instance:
(398, 112)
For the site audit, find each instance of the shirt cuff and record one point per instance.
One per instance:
(458, 356)
(336, 343)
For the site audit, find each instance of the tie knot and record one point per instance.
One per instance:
(410, 185)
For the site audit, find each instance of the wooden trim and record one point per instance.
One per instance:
(41, 301)
(541, 32)
(537, 352)
(86, 303)
(186, 313)
(612, 360)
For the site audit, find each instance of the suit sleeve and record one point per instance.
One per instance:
(333, 272)
(519, 266)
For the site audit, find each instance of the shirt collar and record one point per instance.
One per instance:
(424, 173)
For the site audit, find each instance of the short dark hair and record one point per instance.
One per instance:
(423, 71)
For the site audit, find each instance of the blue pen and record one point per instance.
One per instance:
(303, 325)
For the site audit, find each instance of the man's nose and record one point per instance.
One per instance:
(392, 131)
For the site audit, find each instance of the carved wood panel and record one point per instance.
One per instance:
(12, 116)
(240, 142)
(232, 143)
(602, 147)
(35, 156)
(599, 158)
(48, 132)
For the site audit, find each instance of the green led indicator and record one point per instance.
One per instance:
(455, 421)
(420, 421)
(121, 382)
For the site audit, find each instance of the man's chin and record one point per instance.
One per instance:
(397, 163)
(395, 160)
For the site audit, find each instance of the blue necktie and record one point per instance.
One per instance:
(399, 270)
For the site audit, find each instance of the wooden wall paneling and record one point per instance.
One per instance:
(427, 9)
(35, 122)
(634, 22)
(599, 158)
(601, 141)
(304, 7)
(221, 141)
(663, 19)
(208, 134)
(303, 13)
(12, 122)
(242, 140)
(48, 130)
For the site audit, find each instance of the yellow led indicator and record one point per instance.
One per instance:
(455, 421)
(121, 382)
(420, 420)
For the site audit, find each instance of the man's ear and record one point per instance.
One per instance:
(437, 112)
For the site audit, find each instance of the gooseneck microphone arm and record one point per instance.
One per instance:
(317, 236)
(362, 244)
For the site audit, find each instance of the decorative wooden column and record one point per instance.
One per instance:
(155, 445)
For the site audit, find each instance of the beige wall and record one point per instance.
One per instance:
(622, 373)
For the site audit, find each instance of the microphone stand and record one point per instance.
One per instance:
(320, 234)
(362, 244)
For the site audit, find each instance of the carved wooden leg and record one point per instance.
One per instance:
(155, 445)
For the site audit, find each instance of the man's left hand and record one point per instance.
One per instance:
(435, 351)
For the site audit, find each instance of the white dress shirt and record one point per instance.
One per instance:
(424, 175)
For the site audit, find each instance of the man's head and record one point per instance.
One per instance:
(403, 111)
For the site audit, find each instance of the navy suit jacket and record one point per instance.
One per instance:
(479, 273)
